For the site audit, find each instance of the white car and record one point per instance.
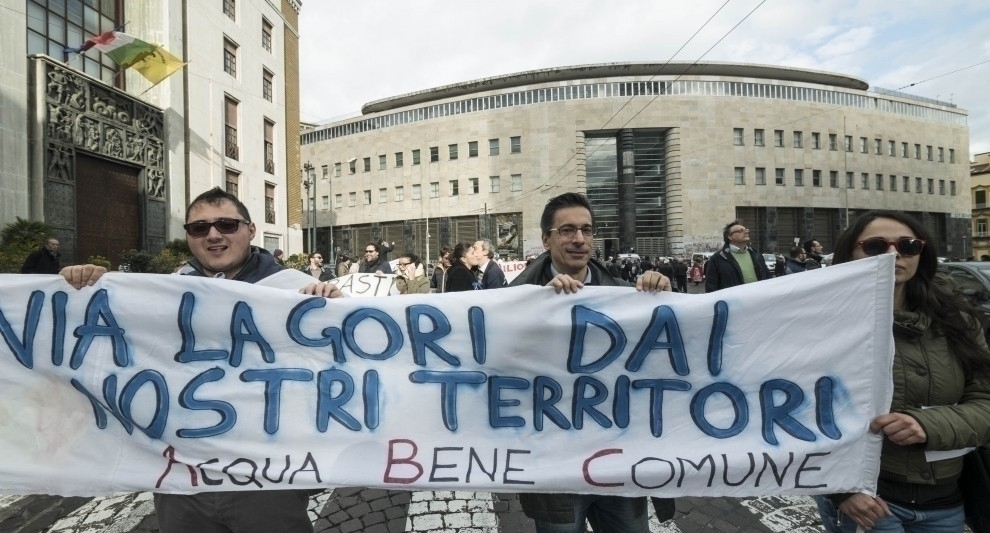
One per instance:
(771, 261)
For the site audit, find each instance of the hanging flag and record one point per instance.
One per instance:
(152, 61)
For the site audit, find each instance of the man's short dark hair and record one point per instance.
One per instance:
(808, 245)
(375, 245)
(568, 199)
(217, 196)
(725, 230)
(796, 252)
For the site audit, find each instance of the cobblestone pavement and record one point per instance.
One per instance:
(384, 511)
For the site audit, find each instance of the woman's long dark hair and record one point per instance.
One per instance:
(951, 314)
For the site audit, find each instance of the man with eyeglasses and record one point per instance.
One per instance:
(490, 273)
(219, 233)
(373, 263)
(317, 269)
(568, 228)
(736, 263)
(813, 252)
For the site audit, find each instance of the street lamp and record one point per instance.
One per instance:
(310, 182)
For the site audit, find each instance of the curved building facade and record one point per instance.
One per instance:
(667, 153)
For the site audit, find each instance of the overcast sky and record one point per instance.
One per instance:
(353, 52)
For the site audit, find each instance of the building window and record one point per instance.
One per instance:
(494, 185)
(352, 166)
(382, 195)
(877, 147)
(928, 152)
(326, 171)
(778, 138)
(382, 162)
(891, 148)
(952, 188)
(415, 157)
(417, 192)
(981, 227)
(338, 201)
(230, 128)
(336, 170)
(833, 178)
(367, 197)
(228, 8)
(400, 193)
(906, 182)
(816, 178)
(434, 189)
(799, 177)
(833, 142)
(931, 186)
(850, 183)
(367, 164)
(351, 199)
(325, 202)
(515, 145)
(266, 34)
(758, 137)
(761, 176)
(904, 150)
(798, 139)
(979, 198)
(270, 203)
(862, 145)
(473, 184)
(779, 176)
(740, 175)
(230, 57)
(453, 187)
(492, 146)
(952, 155)
(452, 151)
(879, 183)
(816, 140)
(50, 29)
(267, 84)
(269, 146)
(517, 182)
(917, 151)
(917, 185)
(737, 136)
(849, 143)
(893, 183)
(473, 149)
(864, 181)
(398, 160)
(941, 187)
(233, 182)
(941, 154)
(434, 154)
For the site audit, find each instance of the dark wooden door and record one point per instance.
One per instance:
(107, 209)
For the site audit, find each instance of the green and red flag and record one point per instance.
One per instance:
(152, 61)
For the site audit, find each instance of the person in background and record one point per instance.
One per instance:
(568, 227)
(941, 395)
(736, 263)
(373, 262)
(459, 275)
(490, 274)
(813, 249)
(796, 261)
(697, 272)
(411, 276)
(317, 269)
(219, 233)
(439, 277)
(44, 260)
(343, 265)
(277, 254)
(680, 274)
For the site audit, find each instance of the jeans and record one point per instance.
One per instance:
(901, 520)
(607, 514)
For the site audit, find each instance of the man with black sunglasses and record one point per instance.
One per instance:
(219, 233)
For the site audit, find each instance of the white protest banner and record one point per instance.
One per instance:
(183, 384)
(366, 284)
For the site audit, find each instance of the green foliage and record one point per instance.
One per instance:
(137, 260)
(18, 239)
(30, 233)
(167, 260)
(99, 260)
(296, 261)
(179, 246)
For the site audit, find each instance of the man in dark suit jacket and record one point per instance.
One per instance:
(44, 260)
(491, 275)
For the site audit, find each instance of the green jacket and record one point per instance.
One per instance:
(926, 375)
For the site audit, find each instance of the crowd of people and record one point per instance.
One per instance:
(940, 374)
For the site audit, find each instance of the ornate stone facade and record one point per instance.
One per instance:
(80, 115)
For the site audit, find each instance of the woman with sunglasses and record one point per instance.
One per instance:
(459, 275)
(941, 395)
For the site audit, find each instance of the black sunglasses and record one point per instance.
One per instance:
(906, 246)
(223, 225)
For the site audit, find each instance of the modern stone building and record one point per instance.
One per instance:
(980, 185)
(668, 154)
(110, 163)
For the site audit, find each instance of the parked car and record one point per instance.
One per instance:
(972, 279)
(771, 261)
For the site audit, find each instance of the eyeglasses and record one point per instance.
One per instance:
(906, 246)
(223, 225)
(568, 232)
(744, 230)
